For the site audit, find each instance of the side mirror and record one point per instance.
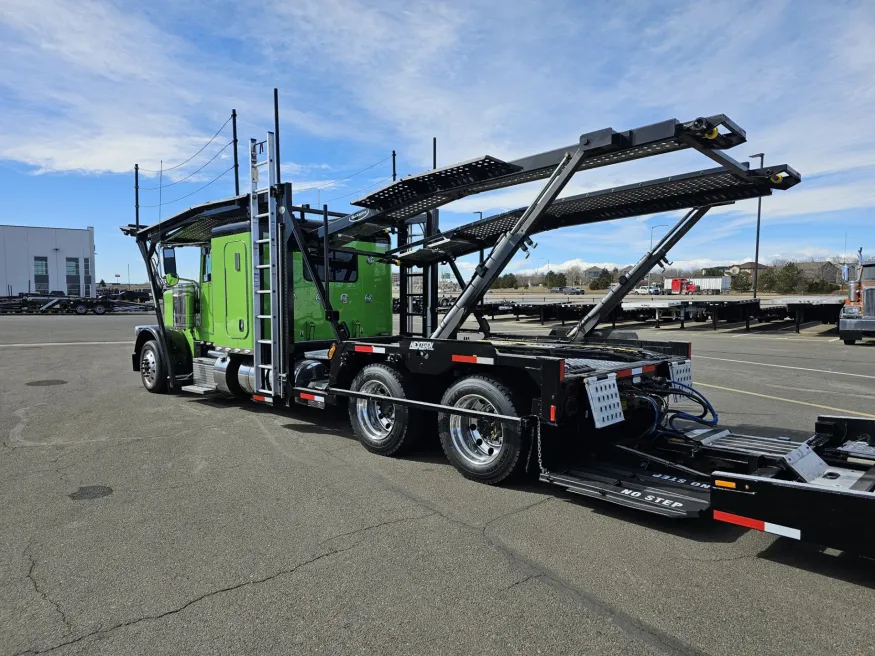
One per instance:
(169, 256)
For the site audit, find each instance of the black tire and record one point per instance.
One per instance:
(850, 342)
(379, 431)
(480, 461)
(154, 375)
(99, 309)
(80, 308)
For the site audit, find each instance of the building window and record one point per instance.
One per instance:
(87, 274)
(41, 275)
(74, 284)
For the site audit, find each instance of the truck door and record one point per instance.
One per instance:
(236, 272)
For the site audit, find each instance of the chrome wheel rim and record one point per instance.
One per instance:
(148, 367)
(375, 417)
(478, 441)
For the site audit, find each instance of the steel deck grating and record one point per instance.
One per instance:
(675, 193)
(404, 192)
(201, 230)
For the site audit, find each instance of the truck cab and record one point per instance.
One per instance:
(857, 318)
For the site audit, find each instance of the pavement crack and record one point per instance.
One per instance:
(517, 511)
(68, 628)
(191, 602)
(376, 526)
(522, 580)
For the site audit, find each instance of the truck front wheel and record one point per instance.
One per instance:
(153, 370)
(483, 449)
(383, 427)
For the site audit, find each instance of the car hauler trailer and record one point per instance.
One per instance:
(288, 309)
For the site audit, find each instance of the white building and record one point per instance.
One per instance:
(46, 260)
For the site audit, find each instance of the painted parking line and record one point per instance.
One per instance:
(127, 341)
(784, 366)
(778, 398)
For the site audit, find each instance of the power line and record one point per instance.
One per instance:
(351, 175)
(190, 174)
(176, 200)
(213, 138)
(357, 191)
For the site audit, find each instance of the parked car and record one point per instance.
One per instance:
(643, 290)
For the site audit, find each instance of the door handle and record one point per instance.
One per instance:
(241, 325)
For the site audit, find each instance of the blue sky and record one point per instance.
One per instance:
(99, 85)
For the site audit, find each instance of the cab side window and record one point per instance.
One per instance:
(207, 266)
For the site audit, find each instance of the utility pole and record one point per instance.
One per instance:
(756, 257)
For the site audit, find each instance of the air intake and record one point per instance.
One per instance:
(869, 301)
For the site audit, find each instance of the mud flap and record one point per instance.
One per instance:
(839, 518)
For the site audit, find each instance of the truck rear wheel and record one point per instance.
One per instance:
(80, 308)
(99, 309)
(153, 370)
(482, 449)
(382, 427)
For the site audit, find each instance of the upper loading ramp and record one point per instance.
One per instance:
(416, 194)
(710, 187)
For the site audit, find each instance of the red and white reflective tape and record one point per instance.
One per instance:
(473, 359)
(370, 349)
(637, 371)
(312, 397)
(767, 527)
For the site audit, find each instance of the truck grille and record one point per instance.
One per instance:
(869, 301)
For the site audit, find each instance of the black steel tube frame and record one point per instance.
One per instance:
(137, 195)
(236, 163)
(285, 191)
(614, 297)
(524, 421)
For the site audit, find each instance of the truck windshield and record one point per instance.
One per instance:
(869, 272)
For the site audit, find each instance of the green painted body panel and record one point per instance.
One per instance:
(365, 305)
(226, 297)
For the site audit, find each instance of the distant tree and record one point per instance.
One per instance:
(821, 287)
(574, 275)
(507, 281)
(789, 279)
(741, 282)
(713, 271)
(603, 281)
(102, 283)
(766, 280)
(555, 279)
(615, 274)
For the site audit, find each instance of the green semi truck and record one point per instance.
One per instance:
(292, 305)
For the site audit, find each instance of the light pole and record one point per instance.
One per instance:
(652, 228)
(756, 257)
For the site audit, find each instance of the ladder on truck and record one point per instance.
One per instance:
(266, 274)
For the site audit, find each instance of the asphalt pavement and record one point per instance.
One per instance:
(225, 528)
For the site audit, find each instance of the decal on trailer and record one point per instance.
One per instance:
(682, 481)
(655, 499)
(422, 346)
